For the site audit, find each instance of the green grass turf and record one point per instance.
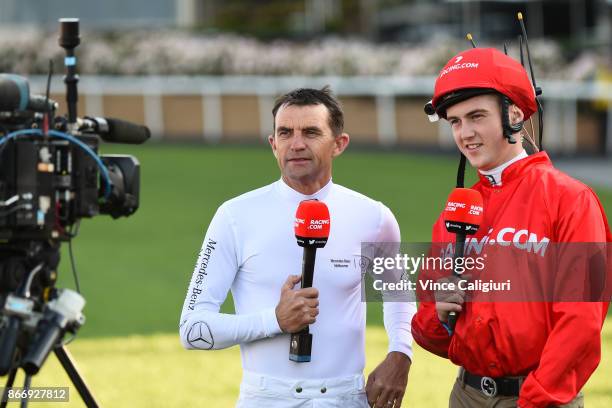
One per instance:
(154, 371)
(134, 271)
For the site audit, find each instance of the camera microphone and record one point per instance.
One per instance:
(462, 216)
(115, 130)
(59, 315)
(311, 231)
(15, 96)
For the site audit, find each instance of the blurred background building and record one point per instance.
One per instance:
(209, 70)
(583, 22)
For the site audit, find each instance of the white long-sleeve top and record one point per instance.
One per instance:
(250, 248)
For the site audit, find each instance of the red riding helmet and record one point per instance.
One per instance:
(480, 71)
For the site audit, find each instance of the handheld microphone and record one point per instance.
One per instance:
(311, 231)
(462, 216)
(115, 130)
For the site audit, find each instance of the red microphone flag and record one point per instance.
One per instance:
(464, 211)
(312, 223)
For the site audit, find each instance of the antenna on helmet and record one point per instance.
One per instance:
(538, 91)
(532, 147)
(471, 39)
(521, 50)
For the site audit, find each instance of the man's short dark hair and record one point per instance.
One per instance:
(309, 96)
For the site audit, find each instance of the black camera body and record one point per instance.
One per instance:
(54, 183)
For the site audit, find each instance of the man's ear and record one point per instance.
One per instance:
(516, 115)
(341, 142)
(272, 142)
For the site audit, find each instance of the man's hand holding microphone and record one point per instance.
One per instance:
(449, 300)
(297, 308)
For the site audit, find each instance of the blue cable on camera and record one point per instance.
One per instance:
(70, 138)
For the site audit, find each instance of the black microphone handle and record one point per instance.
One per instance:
(300, 346)
(308, 263)
(8, 342)
(459, 248)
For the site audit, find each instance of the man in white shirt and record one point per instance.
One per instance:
(251, 249)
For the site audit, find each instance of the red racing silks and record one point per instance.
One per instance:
(556, 344)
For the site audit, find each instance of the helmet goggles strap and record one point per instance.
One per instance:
(509, 129)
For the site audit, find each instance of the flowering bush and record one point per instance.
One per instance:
(173, 52)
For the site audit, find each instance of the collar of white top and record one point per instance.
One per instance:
(494, 176)
(296, 196)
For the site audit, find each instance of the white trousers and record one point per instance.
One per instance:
(257, 391)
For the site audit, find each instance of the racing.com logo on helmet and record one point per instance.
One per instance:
(458, 66)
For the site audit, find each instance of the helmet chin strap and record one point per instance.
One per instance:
(509, 128)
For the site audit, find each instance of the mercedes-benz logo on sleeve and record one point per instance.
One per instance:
(200, 337)
(488, 386)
